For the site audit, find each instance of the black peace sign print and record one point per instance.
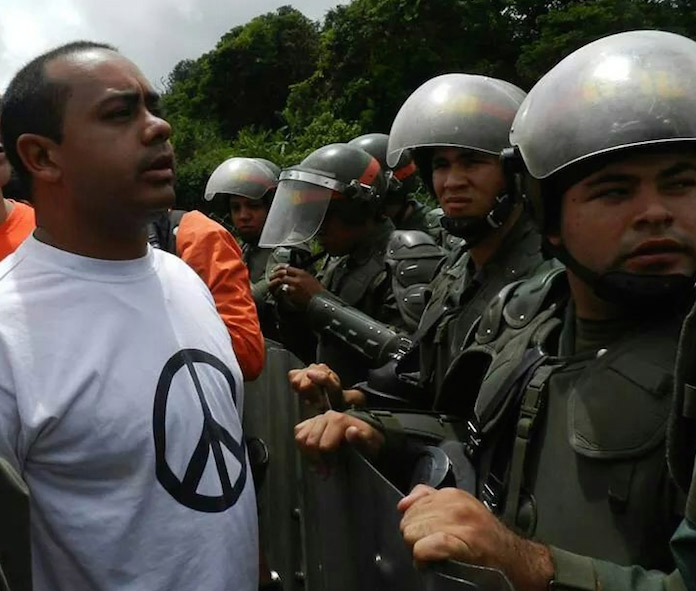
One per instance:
(213, 437)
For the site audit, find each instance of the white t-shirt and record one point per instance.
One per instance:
(117, 381)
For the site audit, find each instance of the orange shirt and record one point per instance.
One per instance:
(18, 225)
(213, 253)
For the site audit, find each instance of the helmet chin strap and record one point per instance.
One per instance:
(631, 290)
(475, 229)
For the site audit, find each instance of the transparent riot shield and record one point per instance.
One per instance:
(335, 530)
(353, 538)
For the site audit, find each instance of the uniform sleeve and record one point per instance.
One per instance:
(213, 253)
(581, 573)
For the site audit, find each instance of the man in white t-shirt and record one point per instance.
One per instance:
(120, 394)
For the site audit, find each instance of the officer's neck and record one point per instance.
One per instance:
(588, 305)
(482, 252)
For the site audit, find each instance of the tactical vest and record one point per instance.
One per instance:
(459, 297)
(681, 437)
(682, 429)
(571, 449)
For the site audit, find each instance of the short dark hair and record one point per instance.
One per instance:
(34, 103)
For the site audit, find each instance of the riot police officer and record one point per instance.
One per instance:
(455, 126)
(568, 428)
(406, 213)
(337, 195)
(249, 184)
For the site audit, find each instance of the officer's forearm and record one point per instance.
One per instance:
(330, 315)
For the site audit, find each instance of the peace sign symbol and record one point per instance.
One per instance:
(213, 437)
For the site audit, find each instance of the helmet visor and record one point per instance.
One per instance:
(298, 208)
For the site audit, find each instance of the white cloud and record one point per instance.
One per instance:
(155, 34)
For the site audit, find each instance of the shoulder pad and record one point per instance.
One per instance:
(531, 296)
(432, 218)
(489, 324)
(411, 244)
(414, 259)
(518, 303)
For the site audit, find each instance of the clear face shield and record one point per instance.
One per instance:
(298, 208)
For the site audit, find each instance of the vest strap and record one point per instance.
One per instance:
(532, 402)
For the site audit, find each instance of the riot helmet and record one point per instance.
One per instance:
(253, 178)
(338, 176)
(401, 178)
(274, 168)
(621, 94)
(459, 111)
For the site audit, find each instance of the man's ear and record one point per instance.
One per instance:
(39, 155)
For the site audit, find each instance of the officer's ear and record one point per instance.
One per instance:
(40, 156)
(554, 239)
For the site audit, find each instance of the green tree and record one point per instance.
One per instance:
(567, 26)
(246, 79)
(374, 53)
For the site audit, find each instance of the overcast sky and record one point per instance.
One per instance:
(155, 34)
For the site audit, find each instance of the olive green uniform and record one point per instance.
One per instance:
(255, 259)
(572, 418)
(682, 448)
(459, 296)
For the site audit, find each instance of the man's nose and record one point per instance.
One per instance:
(654, 209)
(157, 130)
(456, 177)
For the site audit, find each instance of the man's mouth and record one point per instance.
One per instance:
(160, 169)
(655, 254)
(660, 246)
(458, 199)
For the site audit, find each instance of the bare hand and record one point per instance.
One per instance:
(294, 285)
(326, 433)
(316, 385)
(451, 524)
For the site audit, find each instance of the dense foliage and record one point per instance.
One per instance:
(282, 85)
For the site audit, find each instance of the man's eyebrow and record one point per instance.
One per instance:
(132, 97)
(678, 168)
(609, 178)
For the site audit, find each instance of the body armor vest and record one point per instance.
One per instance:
(459, 296)
(571, 448)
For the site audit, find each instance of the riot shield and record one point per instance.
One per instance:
(271, 410)
(354, 542)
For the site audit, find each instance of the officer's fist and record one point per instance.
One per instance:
(451, 524)
(294, 285)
